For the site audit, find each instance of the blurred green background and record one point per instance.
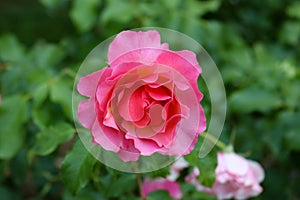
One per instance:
(255, 44)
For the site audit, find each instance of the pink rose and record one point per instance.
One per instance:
(145, 101)
(172, 187)
(236, 177)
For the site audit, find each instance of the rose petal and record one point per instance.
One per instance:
(86, 113)
(176, 167)
(109, 120)
(127, 156)
(145, 146)
(235, 164)
(172, 187)
(127, 41)
(87, 85)
(183, 66)
(136, 105)
(159, 93)
(257, 170)
(100, 138)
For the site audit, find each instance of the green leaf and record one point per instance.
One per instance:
(254, 99)
(46, 55)
(115, 9)
(86, 193)
(123, 184)
(12, 117)
(84, 14)
(206, 165)
(50, 4)
(10, 48)
(7, 193)
(288, 124)
(77, 167)
(290, 32)
(159, 194)
(61, 93)
(48, 140)
(40, 94)
(293, 9)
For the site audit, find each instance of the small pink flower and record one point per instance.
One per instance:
(176, 168)
(236, 177)
(146, 101)
(172, 187)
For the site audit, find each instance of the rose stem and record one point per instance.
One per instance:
(218, 143)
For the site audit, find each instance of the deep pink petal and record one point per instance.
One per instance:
(136, 105)
(172, 187)
(159, 94)
(183, 66)
(145, 146)
(100, 138)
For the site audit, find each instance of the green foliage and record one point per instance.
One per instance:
(84, 14)
(12, 117)
(77, 167)
(159, 194)
(48, 139)
(206, 165)
(255, 44)
(254, 99)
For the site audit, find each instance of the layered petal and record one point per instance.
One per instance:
(128, 41)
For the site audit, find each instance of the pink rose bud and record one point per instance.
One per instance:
(172, 187)
(145, 101)
(236, 177)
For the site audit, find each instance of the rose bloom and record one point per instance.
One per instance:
(172, 187)
(145, 101)
(236, 177)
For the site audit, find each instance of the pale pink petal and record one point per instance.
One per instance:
(172, 187)
(235, 164)
(257, 170)
(127, 41)
(223, 190)
(87, 85)
(192, 179)
(128, 156)
(247, 192)
(176, 167)
(86, 113)
(110, 121)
